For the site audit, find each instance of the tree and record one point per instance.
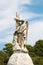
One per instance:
(5, 54)
(39, 48)
(3, 58)
(30, 50)
(8, 49)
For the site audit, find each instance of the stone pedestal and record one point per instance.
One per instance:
(20, 58)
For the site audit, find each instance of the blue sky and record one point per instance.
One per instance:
(31, 10)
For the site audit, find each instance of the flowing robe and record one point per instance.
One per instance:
(21, 33)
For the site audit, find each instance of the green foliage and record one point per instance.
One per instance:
(30, 50)
(5, 54)
(3, 58)
(1, 62)
(8, 49)
(39, 48)
(41, 61)
(37, 60)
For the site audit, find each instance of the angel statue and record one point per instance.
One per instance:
(20, 35)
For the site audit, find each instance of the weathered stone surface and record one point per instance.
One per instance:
(20, 58)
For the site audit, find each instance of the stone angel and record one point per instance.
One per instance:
(21, 32)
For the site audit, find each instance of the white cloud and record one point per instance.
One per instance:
(35, 32)
(7, 14)
(37, 2)
(7, 39)
(8, 9)
(2, 1)
(26, 1)
(29, 15)
(3, 25)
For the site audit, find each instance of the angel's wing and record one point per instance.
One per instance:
(26, 27)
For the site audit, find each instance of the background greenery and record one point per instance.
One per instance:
(36, 53)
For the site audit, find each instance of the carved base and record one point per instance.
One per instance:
(20, 58)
